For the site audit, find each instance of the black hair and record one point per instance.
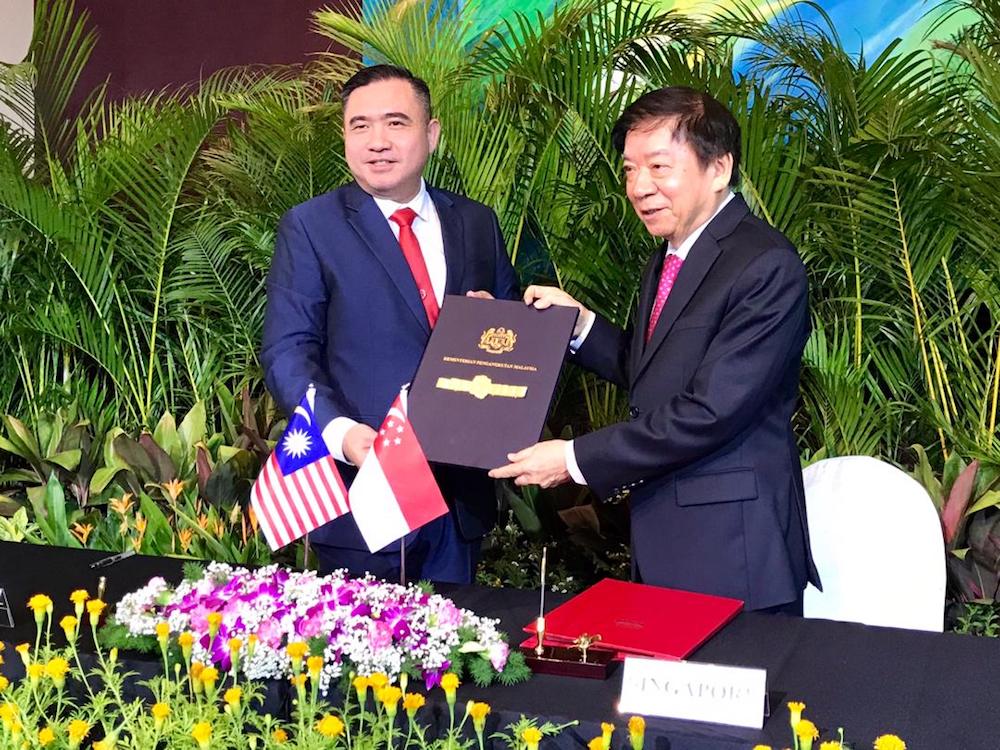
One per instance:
(377, 73)
(698, 119)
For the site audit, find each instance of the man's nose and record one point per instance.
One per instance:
(642, 184)
(377, 140)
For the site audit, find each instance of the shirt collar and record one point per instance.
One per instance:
(418, 203)
(685, 246)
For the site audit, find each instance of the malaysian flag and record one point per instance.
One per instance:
(299, 489)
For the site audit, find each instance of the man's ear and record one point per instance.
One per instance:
(723, 167)
(433, 134)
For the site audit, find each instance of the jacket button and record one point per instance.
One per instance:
(633, 412)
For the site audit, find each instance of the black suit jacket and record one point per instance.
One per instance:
(708, 458)
(344, 313)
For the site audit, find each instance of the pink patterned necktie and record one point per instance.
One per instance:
(671, 267)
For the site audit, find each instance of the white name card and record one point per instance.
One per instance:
(690, 690)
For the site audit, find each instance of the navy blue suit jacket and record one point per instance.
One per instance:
(708, 459)
(344, 313)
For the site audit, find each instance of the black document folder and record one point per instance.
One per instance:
(485, 383)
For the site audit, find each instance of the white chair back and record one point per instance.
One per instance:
(877, 543)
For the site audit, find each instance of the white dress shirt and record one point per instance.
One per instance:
(427, 228)
(682, 252)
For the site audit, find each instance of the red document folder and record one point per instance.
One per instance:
(639, 620)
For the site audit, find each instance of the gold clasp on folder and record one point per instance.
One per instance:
(481, 387)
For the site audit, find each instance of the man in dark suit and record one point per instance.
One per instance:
(355, 286)
(707, 458)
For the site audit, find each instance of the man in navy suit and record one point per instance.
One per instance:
(707, 458)
(355, 285)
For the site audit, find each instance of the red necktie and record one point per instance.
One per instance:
(415, 258)
(671, 267)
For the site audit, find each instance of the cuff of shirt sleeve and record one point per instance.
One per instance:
(571, 465)
(334, 434)
(576, 343)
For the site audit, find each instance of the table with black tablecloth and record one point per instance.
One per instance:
(937, 691)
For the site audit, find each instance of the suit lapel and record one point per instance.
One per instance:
(699, 262)
(373, 229)
(453, 237)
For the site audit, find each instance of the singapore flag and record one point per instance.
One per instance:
(394, 491)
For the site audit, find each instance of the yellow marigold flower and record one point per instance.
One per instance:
(450, 683)
(296, 651)
(68, 625)
(315, 665)
(202, 734)
(78, 729)
(94, 608)
(805, 729)
(41, 605)
(79, 597)
(235, 644)
(160, 710)
(761, 747)
(607, 730)
(280, 736)
(636, 732)
(105, 744)
(412, 702)
(889, 742)
(56, 669)
(162, 632)
(4, 683)
(232, 696)
(330, 726)
(209, 675)
(8, 711)
(299, 681)
(46, 736)
(361, 685)
(378, 680)
(186, 640)
(22, 650)
(479, 711)
(830, 745)
(389, 697)
(36, 671)
(214, 620)
(531, 737)
(160, 713)
(252, 641)
(596, 744)
(795, 709)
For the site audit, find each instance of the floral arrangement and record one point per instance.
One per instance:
(805, 733)
(225, 616)
(59, 705)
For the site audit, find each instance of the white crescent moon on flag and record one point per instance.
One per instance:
(305, 414)
(394, 412)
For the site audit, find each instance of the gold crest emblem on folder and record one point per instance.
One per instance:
(481, 386)
(498, 340)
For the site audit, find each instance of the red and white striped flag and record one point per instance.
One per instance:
(394, 491)
(299, 489)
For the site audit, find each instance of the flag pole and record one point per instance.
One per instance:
(402, 561)
(305, 554)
